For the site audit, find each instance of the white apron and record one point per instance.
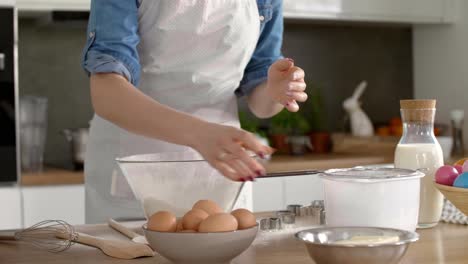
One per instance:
(193, 54)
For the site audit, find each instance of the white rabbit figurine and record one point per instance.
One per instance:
(361, 125)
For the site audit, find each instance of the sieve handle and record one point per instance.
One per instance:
(291, 173)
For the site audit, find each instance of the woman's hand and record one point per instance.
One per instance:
(286, 84)
(226, 149)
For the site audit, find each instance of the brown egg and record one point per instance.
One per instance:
(162, 221)
(245, 218)
(179, 226)
(221, 222)
(193, 218)
(208, 206)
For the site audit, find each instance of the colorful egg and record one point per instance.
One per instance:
(446, 175)
(459, 168)
(465, 166)
(461, 181)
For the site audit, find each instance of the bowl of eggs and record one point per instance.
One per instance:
(205, 234)
(452, 182)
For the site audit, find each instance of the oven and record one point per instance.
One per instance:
(9, 127)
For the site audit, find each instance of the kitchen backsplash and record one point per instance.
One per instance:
(49, 65)
(335, 57)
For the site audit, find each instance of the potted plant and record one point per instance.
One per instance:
(316, 116)
(298, 140)
(287, 132)
(252, 125)
(280, 127)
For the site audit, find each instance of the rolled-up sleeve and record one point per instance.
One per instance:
(268, 49)
(112, 39)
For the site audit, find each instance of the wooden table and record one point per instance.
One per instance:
(444, 244)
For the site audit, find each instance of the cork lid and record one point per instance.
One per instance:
(418, 104)
(418, 110)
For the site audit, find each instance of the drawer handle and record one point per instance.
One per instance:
(2, 61)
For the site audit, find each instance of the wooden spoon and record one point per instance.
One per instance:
(113, 248)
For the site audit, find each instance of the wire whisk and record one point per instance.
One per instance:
(44, 235)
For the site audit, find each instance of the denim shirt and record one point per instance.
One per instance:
(112, 41)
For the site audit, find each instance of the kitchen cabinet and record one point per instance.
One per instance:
(271, 194)
(10, 202)
(268, 194)
(404, 11)
(64, 202)
(53, 5)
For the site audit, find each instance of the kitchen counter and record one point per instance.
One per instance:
(55, 176)
(324, 161)
(444, 244)
(52, 176)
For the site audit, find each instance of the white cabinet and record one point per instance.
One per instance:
(402, 11)
(271, 194)
(268, 194)
(405, 11)
(53, 5)
(61, 202)
(10, 204)
(303, 189)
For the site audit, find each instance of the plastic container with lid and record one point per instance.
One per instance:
(372, 197)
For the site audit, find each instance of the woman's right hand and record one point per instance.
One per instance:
(226, 149)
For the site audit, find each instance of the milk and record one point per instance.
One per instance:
(427, 158)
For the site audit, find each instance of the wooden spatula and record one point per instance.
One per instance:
(135, 237)
(113, 248)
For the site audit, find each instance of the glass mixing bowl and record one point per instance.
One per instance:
(175, 181)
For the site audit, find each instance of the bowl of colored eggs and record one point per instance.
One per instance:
(452, 182)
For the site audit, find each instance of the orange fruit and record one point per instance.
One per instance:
(383, 131)
(395, 121)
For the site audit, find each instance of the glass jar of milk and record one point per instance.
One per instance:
(418, 149)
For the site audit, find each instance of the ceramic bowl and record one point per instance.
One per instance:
(197, 248)
(323, 249)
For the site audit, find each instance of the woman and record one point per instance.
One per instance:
(168, 72)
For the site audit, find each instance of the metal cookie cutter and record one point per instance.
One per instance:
(286, 217)
(270, 224)
(318, 211)
(295, 208)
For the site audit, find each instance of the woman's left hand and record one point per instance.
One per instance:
(286, 84)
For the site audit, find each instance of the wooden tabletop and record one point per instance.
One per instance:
(444, 244)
